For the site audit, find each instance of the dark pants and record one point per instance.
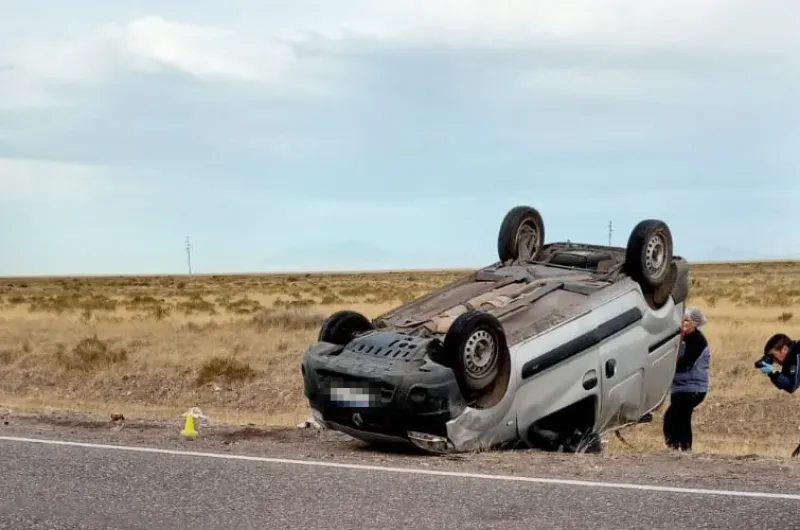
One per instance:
(678, 419)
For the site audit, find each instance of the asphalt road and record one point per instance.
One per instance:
(44, 486)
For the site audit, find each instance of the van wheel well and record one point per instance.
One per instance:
(569, 429)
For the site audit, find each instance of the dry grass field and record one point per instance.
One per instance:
(155, 346)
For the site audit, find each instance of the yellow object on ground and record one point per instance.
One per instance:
(189, 430)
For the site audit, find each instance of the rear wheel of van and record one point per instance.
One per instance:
(475, 348)
(342, 327)
(521, 234)
(648, 257)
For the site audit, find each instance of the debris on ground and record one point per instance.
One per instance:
(117, 421)
(310, 423)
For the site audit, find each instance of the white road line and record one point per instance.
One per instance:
(414, 471)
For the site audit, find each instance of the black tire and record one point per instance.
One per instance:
(648, 256)
(522, 229)
(342, 326)
(474, 348)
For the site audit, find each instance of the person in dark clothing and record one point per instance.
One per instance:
(690, 384)
(786, 352)
(780, 349)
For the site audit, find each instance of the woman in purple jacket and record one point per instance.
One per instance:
(690, 384)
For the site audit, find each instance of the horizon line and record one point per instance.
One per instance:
(344, 272)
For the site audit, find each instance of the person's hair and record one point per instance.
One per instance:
(779, 340)
(696, 316)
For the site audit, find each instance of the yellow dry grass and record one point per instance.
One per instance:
(155, 346)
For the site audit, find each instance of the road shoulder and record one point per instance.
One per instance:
(752, 473)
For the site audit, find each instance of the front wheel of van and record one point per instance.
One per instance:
(475, 348)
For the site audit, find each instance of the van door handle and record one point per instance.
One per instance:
(589, 380)
(611, 368)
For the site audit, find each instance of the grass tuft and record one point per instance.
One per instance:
(224, 369)
(92, 353)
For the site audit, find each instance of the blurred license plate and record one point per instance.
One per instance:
(351, 396)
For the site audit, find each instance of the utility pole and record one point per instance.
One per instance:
(189, 254)
(610, 231)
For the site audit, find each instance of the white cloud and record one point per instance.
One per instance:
(714, 25)
(38, 181)
(262, 50)
(152, 44)
(533, 77)
(207, 53)
(149, 44)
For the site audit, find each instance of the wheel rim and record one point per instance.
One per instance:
(480, 354)
(527, 240)
(656, 255)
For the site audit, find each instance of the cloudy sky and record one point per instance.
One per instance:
(362, 134)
